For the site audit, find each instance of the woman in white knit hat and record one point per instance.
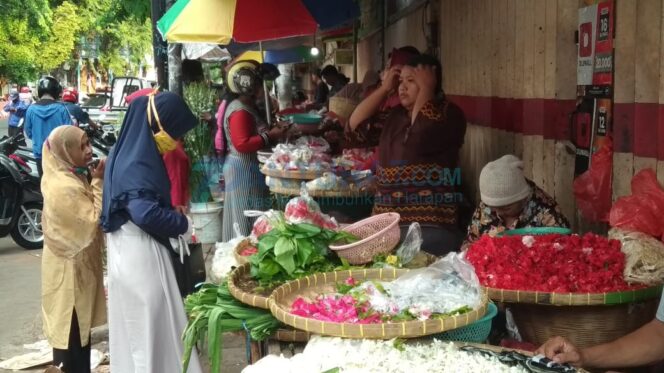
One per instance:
(510, 201)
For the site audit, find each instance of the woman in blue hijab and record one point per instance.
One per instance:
(146, 314)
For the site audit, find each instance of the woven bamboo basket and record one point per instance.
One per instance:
(241, 259)
(343, 107)
(378, 234)
(282, 183)
(297, 174)
(287, 334)
(584, 326)
(238, 275)
(350, 193)
(574, 299)
(322, 283)
(585, 319)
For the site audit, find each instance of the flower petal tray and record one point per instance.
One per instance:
(323, 283)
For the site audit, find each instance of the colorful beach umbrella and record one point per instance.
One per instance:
(246, 21)
(290, 55)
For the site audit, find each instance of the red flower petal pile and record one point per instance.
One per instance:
(550, 263)
(333, 308)
(248, 251)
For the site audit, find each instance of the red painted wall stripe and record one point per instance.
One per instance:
(546, 117)
(637, 127)
(645, 129)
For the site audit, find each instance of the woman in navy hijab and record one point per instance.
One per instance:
(146, 314)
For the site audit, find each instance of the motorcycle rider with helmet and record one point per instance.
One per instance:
(78, 116)
(45, 115)
(16, 109)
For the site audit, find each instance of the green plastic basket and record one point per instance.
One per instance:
(312, 119)
(477, 332)
(535, 231)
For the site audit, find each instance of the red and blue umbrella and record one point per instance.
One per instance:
(247, 21)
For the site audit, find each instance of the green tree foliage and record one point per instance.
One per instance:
(58, 48)
(129, 35)
(17, 50)
(38, 36)
(37, 14)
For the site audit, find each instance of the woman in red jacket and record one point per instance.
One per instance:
(246, 134)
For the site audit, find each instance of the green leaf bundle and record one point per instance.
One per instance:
(212, 311)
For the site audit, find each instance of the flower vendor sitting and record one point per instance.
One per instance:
(510, 201)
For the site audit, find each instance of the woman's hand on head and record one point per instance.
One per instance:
(98, 172)
(426, 79)
(391, 79)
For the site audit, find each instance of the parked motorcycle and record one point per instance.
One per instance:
(21, 203)
(102, 140)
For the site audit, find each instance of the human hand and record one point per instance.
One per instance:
(181, 209)
(98, 172)
(426, 78)
(560, 350)
(332, 137)
(390, 78)
(206, 116)
(276, 132)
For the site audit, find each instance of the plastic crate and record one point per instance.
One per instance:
(535, 231)
(477, 332)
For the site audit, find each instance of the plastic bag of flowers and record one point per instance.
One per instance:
(445, 287)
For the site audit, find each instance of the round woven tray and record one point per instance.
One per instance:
(574, 299)
(324, 193)
(300, 175)
(239, 276)
(321, 283)
(241, 259)
(287, 334)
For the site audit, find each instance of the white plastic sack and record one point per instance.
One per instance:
(224, 257)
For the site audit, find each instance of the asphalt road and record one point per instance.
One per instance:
(19, 293)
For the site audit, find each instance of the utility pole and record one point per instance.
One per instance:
(159, 46)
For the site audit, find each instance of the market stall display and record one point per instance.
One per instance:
(341, 185)
(382, 303)
(325, 354)
(289, 245)
(306, 154)
(564, 284)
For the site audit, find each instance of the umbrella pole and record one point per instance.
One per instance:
(268, 115)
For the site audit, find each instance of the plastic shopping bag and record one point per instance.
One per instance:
(224, 258)
(304, 209)
(592, 189)
(643, 210)
(411, 245)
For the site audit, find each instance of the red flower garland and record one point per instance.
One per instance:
(550, 263)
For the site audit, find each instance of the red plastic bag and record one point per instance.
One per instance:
(643, 210)
(592, 189)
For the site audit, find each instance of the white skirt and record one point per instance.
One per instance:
(145, 310)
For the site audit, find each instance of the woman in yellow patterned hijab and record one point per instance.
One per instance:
(72, 282)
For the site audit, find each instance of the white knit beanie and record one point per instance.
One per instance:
(502, 182)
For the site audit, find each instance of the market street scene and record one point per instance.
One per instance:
(332, 186)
